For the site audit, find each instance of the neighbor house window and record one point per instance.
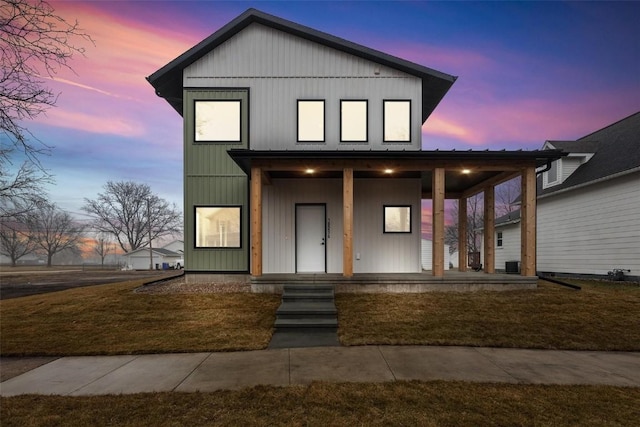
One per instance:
(218, 226)
(217, 121)
(552, 176)
(397, 219)
(499, 239)
(353, 121)
(397, 121)
(310, 121)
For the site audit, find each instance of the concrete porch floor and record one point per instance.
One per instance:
(454, 281)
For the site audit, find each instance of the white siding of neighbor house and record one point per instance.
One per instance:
(279, 68)
(510, 249)
(378, 252)
(427, 258)
(592, 229)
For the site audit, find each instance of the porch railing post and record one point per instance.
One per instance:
(347, 238)
(438, 222)
(256, 221)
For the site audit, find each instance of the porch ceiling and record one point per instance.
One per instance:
(466, 172)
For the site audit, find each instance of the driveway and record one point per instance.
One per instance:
(20, 283)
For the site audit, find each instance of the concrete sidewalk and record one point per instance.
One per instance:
(93, 375)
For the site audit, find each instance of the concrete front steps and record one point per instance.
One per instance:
(307, 317)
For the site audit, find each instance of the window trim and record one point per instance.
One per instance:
(384, 124)
(217, 141)
(558, 180)
(499, 239)
(195, 227)
(324, 121)
(366, 129)
(384, 219)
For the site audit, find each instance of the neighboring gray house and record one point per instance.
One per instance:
(303, 154)
(588, 205)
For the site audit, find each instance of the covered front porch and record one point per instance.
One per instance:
(450, 281)
(443, 174)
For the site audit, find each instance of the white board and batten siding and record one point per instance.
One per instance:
(279, 68)
(374, 251)
(591, 230)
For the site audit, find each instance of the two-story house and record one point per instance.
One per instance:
(303, 154)
(588, 204)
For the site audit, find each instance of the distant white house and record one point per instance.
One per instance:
(169, 256)
(427, 256)
(588, 206)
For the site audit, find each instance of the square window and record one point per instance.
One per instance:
(397, 219)
(353, 121)
(397, 121)
(217, 121)
(310, 121)
(218, 226)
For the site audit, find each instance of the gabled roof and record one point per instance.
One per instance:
(510, 218)
(168, 80)
(616, 148)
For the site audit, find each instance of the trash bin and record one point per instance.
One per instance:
(165, 265)
(157, 266)
(512, 267)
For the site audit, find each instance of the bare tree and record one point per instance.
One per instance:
(53, 230)
(506, 194)
(14, 242)
(475, 223)
(133, 214)
(103, 247)
(35, 44)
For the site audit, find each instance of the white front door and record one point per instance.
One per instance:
(310, 239)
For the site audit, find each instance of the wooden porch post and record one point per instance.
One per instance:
(489, 230)
(347, 222)
(256, 221)
(528, 223)
(437, 252)
(462, 234)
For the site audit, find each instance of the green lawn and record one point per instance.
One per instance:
(320, 404)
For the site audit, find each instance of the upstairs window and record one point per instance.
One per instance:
(310, 120)
(353, 121)
(218, 121)
(552, 176)
(397, 120)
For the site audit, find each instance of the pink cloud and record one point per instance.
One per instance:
(114, 125)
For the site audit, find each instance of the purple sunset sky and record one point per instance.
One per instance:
(528, 72)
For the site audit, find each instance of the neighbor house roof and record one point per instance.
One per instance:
(160, 251)
(510, 218)
(616, 150)
(168, 80)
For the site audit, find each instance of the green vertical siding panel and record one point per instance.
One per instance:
(211, 177)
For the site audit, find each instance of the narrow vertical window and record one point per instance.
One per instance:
(353, 121)
(218, 226)
(397, 121)
(499, 239)
(310, 120)
(217, 121)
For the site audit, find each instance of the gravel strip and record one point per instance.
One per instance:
(178, 286)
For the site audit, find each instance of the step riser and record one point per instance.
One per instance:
(294, 316)
(302, 288)
(306, 299)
